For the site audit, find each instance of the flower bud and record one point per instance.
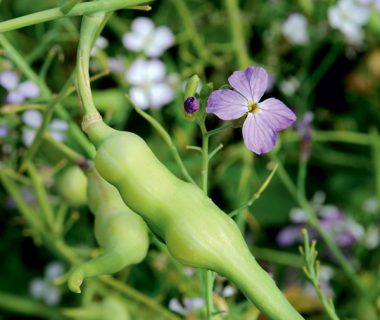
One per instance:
(191, 104)
(192, 86)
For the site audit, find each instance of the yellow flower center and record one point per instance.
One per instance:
(253, 106)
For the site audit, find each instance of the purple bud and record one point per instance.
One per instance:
(191, 104)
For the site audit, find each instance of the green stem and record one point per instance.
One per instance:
(66, 151)
(205, 157)
(20, 62)
(301, 177)
(137, 296)
(78, 10)
(44, 125)
(166, 137)
(26, 306)
(375, 139)
(30, 215)
(238, 39)
(322, 68)
(89, 31)
(221, 128)
(41, 196)
(334, 136)
(193, 35)
(314, 222)
(68, 5)
(277, 256)
(208, 275)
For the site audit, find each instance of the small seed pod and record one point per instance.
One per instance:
(120, 232)
(72, 185)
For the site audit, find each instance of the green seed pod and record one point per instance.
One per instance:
(119, 231)
(72, 185)
(196, 232)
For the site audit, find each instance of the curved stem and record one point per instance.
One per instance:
(89, 31)
(77, 10)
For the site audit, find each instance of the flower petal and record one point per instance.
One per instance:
(136, 72)
(14, 97)
(29, 89)
(139, 97)
(162, 39)
(160, 94)
(227, 104)
(58, 125)
(133, 41)
(155, 70)
(32, 118)
(28, 136)
(277, 114)
(258, 136)
(251, 83)
(143, 26)
(9, 80)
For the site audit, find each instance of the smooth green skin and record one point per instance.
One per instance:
(120, 232)
(72, 185)
(196, 232)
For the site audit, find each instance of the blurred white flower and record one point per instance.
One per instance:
(100, 44)
(144, 36)
(371, 205)
(116, 64)
(349, 16)
(189, 305)
(43, 288)
(33, 119)
(372, 237)
(17, 92)
(289, 86)
(295, 29)
(150, 87)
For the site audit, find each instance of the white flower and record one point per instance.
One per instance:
(100, 44)
(150, 88)
(33, 119)
(289, 86)
(189, 305)
(371, 205)
(145, 37)
(372, 238)
(17, 92)
(348, 16)
(43, 288)
(295, 29)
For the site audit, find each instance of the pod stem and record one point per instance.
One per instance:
(90, 29)
(108, 263)
(260, 288)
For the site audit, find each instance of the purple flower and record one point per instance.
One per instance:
(263, 119)
(191, 104)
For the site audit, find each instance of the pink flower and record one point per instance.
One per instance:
(263, 119)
